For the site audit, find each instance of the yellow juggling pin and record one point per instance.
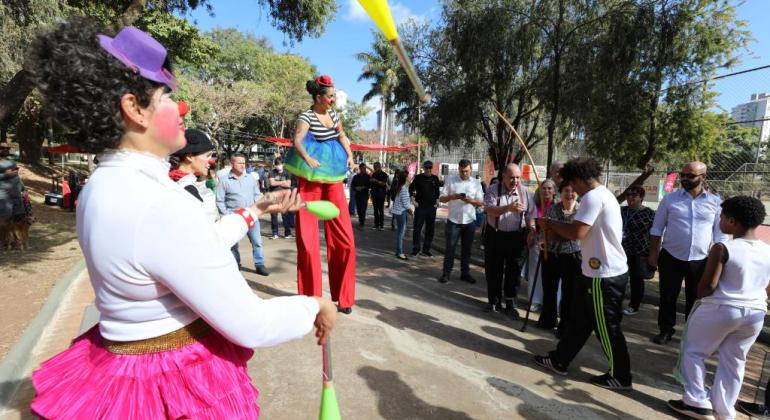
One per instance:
(379, 11)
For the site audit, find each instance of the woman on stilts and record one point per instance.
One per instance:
(320, 159)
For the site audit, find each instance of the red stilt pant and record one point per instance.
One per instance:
(340, 245)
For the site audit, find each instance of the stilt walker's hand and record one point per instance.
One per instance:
(325, 320)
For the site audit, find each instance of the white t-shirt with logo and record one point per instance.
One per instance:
(459, 211)
(603, 254)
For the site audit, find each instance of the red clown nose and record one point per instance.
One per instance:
(183, 108)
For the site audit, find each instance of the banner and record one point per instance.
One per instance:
(668, 186)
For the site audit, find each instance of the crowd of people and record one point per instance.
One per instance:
(170, 292)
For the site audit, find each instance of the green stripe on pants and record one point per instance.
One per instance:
(601, 323)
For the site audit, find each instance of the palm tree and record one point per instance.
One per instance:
(382, 68)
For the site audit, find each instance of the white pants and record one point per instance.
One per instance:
(731, 330)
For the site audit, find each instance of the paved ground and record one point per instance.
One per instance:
(415, 349)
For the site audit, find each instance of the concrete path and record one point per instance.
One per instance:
(416, 349)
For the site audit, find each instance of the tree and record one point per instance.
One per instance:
(352, 117)
(637, 96)
(486, 57)
(381, 67)
(296, 18)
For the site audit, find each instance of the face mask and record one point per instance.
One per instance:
(689, 185)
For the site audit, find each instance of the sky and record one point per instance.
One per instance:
(351, 32)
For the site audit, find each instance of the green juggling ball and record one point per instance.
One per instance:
(324, 210)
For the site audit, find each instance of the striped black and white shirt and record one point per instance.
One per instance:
(317, 128)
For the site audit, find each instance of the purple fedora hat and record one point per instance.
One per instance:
(141, 53)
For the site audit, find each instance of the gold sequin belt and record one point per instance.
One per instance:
(172, 341)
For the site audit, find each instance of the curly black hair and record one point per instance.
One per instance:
(314, 89)
(82, 84)
(580, 168)
(748, 211)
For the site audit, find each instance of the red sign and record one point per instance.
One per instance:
(668, 186)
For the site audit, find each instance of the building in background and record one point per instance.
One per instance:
(755, 113)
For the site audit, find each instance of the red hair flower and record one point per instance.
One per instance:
(324, 80)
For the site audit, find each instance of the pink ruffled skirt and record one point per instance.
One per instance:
(204, 380)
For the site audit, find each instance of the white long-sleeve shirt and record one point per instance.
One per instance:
(157, 263)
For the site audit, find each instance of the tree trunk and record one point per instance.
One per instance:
(133, 12)
(555, 110)
(29, 136)
(638, 181)
(13, 94)
(3, 132)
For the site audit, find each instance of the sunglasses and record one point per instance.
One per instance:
(688, 175)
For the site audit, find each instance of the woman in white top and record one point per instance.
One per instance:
(177, 319)
(729, 315)
(400, 209)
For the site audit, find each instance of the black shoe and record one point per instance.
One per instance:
(443, 279)
(610, 382)
(491, 307)
(345, 311)
(693, 412)
(262, 270)
(468, 278)
(663, 338)
(415, 253)
(552, 365)
(757, 411)
(512, 312)
(426, 254)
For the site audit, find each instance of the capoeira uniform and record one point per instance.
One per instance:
(728, 321)
(598, 298)
(324, 183)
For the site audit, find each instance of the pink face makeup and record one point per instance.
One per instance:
(167, 125)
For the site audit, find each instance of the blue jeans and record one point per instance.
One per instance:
(401, 223)
(352, 201)
(455, 233)
(256, 246)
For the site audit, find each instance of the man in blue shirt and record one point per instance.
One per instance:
(688, 222)
(238, 189)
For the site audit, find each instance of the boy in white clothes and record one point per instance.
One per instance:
(729, 315)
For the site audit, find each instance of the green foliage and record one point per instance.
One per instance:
(183, 40)
(353, 118)
(487, 56)
(301, 18)
(633, 92)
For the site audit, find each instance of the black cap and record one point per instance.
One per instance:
(197, 142)
(427, 164)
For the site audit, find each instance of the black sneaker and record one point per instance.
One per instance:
(663, 338)
(468, 278)
(693, 412)
(610, 382)
(492, 308)
(757, 411)
(262, 270)
(511, 311)
(415, 253)
(346, 311)
(443, 279)
(552, 365)
(426, 254)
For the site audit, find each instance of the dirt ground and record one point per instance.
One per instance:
(26, 277)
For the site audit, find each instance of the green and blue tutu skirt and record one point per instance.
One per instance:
(329, 153)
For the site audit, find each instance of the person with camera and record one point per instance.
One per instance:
(463, 194)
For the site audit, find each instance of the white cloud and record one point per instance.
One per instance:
(399, 11)
(356, 12)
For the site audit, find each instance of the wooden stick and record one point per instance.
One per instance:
(534, 169)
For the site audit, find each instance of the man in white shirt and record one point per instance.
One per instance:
(599, 227)
(688, 221)
(463, 195)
